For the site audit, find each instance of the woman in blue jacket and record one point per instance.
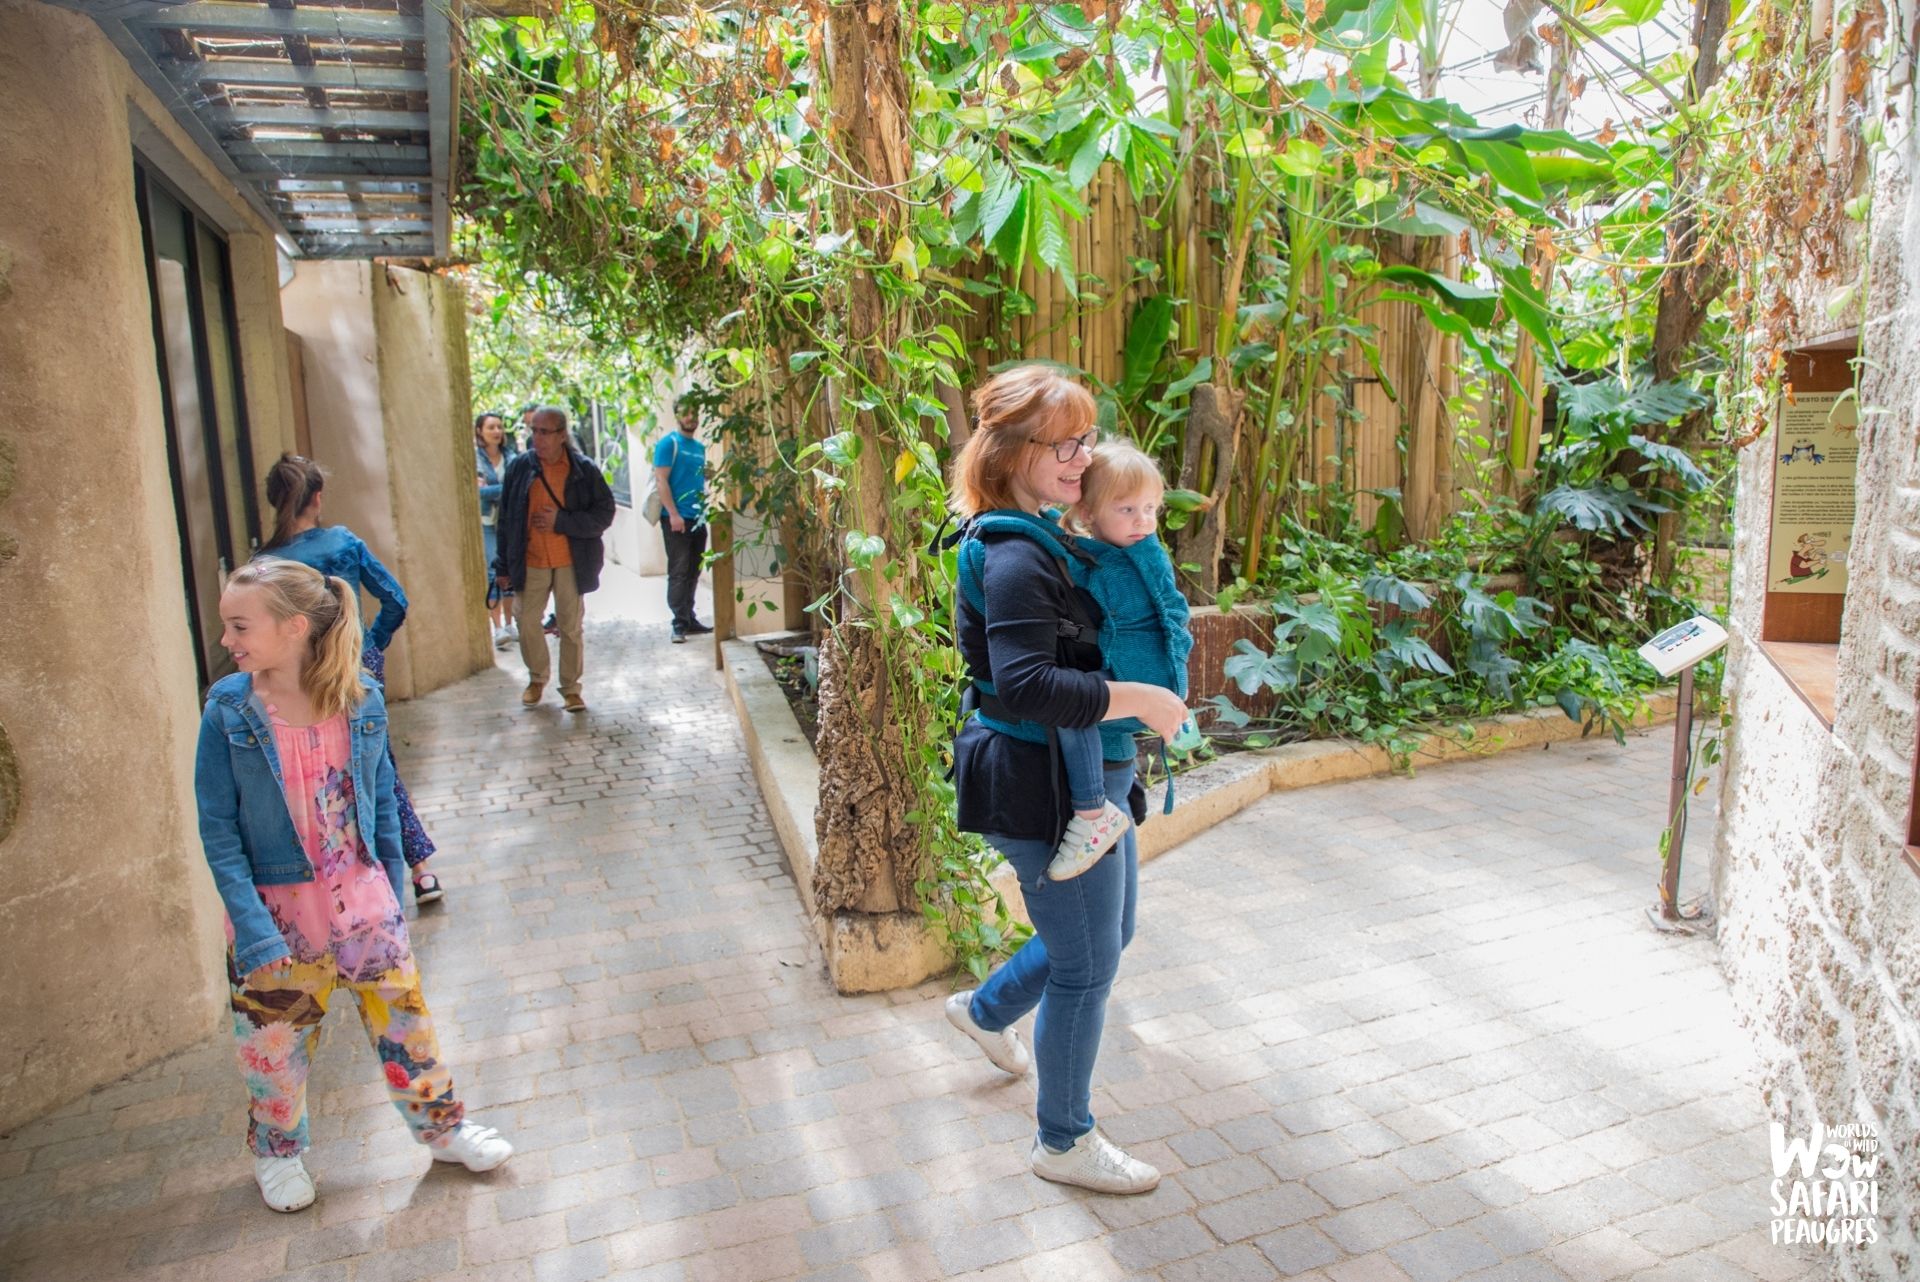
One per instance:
(492, 451)
(1029, 647)
(294, 485)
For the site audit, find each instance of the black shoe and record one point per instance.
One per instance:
(679, 637)
(697, 628)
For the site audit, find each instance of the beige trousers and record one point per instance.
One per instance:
(568, 612)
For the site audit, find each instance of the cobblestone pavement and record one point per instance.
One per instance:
(1372, 1032)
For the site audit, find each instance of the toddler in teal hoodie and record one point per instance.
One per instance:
(1143, 637)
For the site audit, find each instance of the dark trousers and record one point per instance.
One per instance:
(683, 570)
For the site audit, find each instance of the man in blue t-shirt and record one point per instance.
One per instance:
(680, 475)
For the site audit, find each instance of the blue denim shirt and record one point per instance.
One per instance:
(245, 830)
(336, 550)
(490, 492)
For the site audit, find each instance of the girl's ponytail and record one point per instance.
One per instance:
(331, 676)
(291, 484)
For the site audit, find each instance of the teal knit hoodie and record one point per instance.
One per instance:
(1143, 635)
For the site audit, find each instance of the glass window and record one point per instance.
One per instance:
(203, 406)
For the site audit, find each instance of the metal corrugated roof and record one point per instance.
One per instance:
(335, 117)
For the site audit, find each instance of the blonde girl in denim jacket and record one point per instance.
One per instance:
(297, 818)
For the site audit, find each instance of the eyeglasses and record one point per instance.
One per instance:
(1068, 450)
(549, 431)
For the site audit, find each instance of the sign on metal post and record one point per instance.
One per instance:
(1678, 650)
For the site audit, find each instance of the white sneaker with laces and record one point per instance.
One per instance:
(476, 1147)
(284, 1182)
(1094, 1163)
(1086, 840)
(1004, 1048)
(500, 638)
(510, 633)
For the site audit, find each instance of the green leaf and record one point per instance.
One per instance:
(864, 549)
(1510, 166)
(1050, 243)
(1010, 246)
(800, 360)
(1147, 337)
(1448, 322)
(905, 613)
(1528, 306)
(842, 448)
(1184, 500)
(1368, 190)
(1003, 192)
(1199, 374)
(1302, 159)
(1474, 302)
(1087, 158)
(1392, 590)
(962, 173)
(1673, 459)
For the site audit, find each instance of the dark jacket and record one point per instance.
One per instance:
(586, 510)
(1007, 787)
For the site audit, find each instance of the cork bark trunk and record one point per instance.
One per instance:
(869, 856)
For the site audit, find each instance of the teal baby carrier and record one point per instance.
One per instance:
(1143, 635)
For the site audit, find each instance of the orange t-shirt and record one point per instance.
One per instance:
(547, 549)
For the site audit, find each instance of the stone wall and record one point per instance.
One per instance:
(387, 404)
(110, 933)
(1820, 916)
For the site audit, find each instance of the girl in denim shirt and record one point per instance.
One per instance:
(293, 489)
(295, 792)
(492, 451)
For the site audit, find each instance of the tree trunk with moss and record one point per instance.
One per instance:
(869, 856)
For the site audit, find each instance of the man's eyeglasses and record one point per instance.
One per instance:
(549, 431)
(1068, 450)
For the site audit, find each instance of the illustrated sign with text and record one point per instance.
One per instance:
(1817, 446)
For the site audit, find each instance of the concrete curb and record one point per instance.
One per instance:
(867, 953)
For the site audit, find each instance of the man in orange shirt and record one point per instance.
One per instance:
(554, 507)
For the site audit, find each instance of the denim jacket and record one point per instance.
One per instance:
(336, 550)
(490, 491)
(245, 830)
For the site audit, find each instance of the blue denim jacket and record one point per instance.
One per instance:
(245, 830)
(336, 550)
(490, 492)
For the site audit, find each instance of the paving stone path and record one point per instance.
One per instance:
(1398, 1029)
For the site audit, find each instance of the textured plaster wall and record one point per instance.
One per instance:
(1820, 917)
(101, 876)
(387, 395)
(425, 393)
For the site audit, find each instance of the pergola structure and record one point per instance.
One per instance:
(336, 118)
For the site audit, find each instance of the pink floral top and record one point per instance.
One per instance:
(347, 911)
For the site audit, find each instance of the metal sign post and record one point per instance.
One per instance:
(1679, 649)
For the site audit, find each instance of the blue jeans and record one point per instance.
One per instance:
(1067, 968)
(1080, 750)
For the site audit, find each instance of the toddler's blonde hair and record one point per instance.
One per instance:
(1119, 470)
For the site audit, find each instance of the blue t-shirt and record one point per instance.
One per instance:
(687, 457)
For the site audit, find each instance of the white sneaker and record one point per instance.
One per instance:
(476, 1147)
(1094, 1163)
(1004, 1048)
(1086, 841)
(510, 633)
(284, 1182)
(500, 638)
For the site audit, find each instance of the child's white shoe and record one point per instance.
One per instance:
(1086, 841)
(476, 1147)
(284, 1182)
